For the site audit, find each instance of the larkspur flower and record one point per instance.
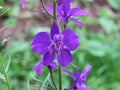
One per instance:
(56, 45)
(65, 13)
(38, 67)
(22, 3)
(79, 78)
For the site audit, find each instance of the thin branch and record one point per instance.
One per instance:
(45, 9)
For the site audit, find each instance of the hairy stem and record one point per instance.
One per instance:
(45, 9)
(60, 78)
(54, 9)
(52, 77)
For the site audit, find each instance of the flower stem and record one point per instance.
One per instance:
(60, 78)
(65, 26)
(54, 9)
(45, 9)
(51, 74)
(5, 74)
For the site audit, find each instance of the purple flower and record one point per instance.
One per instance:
(56, 45)
(59, 2)
(22, 3)
(38, 67)
(79, 78)
(65, 13)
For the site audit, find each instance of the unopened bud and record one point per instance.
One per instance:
(4, 43)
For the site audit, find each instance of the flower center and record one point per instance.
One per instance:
(58, 41)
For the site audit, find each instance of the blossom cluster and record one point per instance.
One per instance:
(55, 47)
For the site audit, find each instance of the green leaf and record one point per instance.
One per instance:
(4, 10)
(15, 11)
(1, 2)
(103, 12)
(10, 22)
(17, 47)
(108, 25)
(15, 1)
(114, 4)
(96, 48)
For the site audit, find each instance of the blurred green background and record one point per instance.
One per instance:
(99, 44)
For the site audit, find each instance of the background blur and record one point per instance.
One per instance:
(99, 37)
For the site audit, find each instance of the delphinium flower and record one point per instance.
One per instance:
(56, 45)
(66, 13)
(79, 78)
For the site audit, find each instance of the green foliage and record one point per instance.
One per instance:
(108, 25)
(1, 2)
(114, 4)
(86, 2)
(10, 22)
(106, 20)
(4, 11)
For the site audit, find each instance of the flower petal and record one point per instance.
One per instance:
(77, 22)
(71, 88)
(64, 57)
(22, 3)
(78, 12)
(41, 42)
(83, 88)
(38, 68)
(78, 79)
(48, 57)
(59, 12)
(85, 72)
(53, 66)
(50, 9)
(54, 29)
(70, 40)
(66, 6)
(59, 2)
(69, 73)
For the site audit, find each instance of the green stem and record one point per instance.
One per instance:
(65, 26)
(54, 9)
(51, 74)
(45, 9)
(5, 74)
(60, 78)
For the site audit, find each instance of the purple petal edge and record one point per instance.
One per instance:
(85, 71)
(77, 22)
(71, 40)
(41, 43)
(22, 3)
(54, 29)
(38, 68)
(78, 12)
(69, 73)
